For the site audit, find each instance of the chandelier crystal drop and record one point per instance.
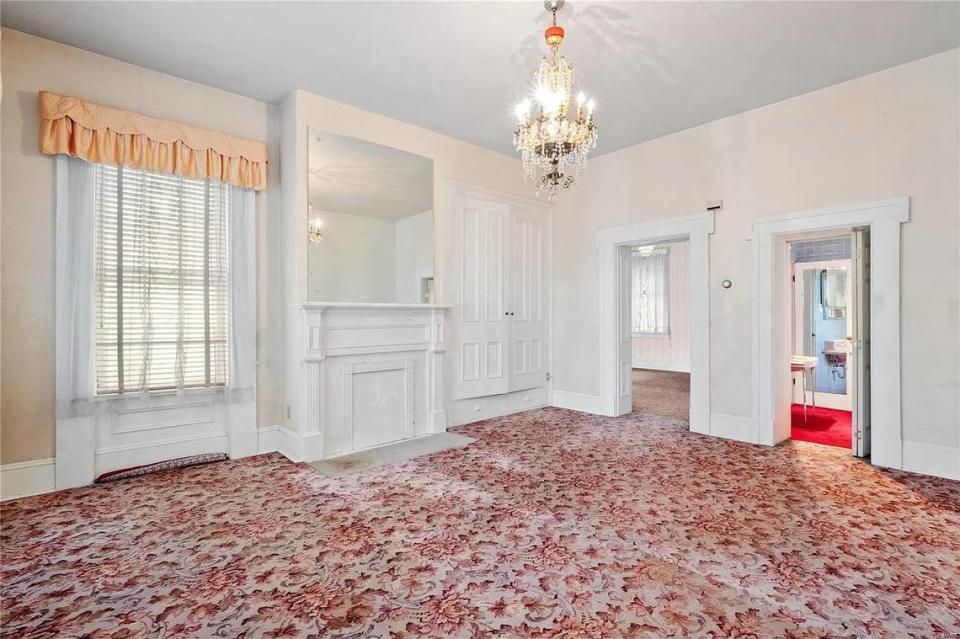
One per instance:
(553, 140)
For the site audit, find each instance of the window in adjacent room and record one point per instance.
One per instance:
(650, 299)
(161, 269)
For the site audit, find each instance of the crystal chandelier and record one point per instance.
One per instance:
(554, 142)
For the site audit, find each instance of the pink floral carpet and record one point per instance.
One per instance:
(553, 524)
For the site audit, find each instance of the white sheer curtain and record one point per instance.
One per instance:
(241, 388)
(79, 408)
(650, 295)
(75, 277)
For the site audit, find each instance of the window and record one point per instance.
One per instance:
(161, 269)
(650, 300)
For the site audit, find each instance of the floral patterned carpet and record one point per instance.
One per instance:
(552, 524)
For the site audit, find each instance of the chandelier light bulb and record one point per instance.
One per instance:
(521, 112)
(580, 98)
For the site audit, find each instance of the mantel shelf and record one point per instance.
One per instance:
(316, 306)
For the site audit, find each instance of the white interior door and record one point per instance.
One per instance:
(526, 307)
(481, 317)
(861, 342)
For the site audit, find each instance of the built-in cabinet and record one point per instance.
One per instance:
(498, 282)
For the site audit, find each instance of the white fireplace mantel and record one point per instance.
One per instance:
(371, 374)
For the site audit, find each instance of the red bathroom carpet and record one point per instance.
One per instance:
(823, 426)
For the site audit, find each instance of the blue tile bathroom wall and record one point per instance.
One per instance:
(837, 248)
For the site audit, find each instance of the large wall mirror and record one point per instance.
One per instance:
(370, 223)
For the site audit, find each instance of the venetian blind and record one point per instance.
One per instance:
(162, 276)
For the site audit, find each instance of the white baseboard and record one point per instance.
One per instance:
(23, 479)
(672, 365)
(931, 459)
(279, 439)
(438, 421)
(268, 440)
(312, 445)
(735, 427)
(577, 401)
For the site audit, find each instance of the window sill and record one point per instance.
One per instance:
(206, 391)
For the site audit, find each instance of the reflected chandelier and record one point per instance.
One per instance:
(554, 142)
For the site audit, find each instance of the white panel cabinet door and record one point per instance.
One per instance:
(481, 272)
(527, 305)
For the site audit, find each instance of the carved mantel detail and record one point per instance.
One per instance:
(371, 374)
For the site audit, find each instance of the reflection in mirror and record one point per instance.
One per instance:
(370, 224)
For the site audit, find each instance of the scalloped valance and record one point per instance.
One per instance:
(112, 136)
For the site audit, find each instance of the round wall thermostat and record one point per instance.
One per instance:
(726, 284)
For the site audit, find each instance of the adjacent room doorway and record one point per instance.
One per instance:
(829, 328)
(617, 247)
(660, 328)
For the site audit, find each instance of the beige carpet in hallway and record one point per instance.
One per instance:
(662, 393)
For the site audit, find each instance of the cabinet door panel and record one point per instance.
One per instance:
(527, 303)
(481, 271)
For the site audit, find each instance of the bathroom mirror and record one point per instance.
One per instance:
(370, 222)
(833, 293)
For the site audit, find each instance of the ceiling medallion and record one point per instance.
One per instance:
(553, 142)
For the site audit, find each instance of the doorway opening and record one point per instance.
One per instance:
(660, 328)
(826, 326)
(616, 338)
(877, 390)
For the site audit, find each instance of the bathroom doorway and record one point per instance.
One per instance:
(829, 334)
(876, 369)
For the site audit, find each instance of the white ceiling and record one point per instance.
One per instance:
(362, 178)
(459, 67)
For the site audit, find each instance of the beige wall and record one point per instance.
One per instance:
(888, 134)
(30, 64)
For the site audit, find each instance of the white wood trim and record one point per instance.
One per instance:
(279, 439)
(769, 236)
(931, 459)
(577, 401)
(735, 427)
(453, 188)
(671, 365)
(268, 439)
(337, 340)
(23, 479)
(615, 391)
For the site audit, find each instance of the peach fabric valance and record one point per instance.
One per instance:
(112, 136)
